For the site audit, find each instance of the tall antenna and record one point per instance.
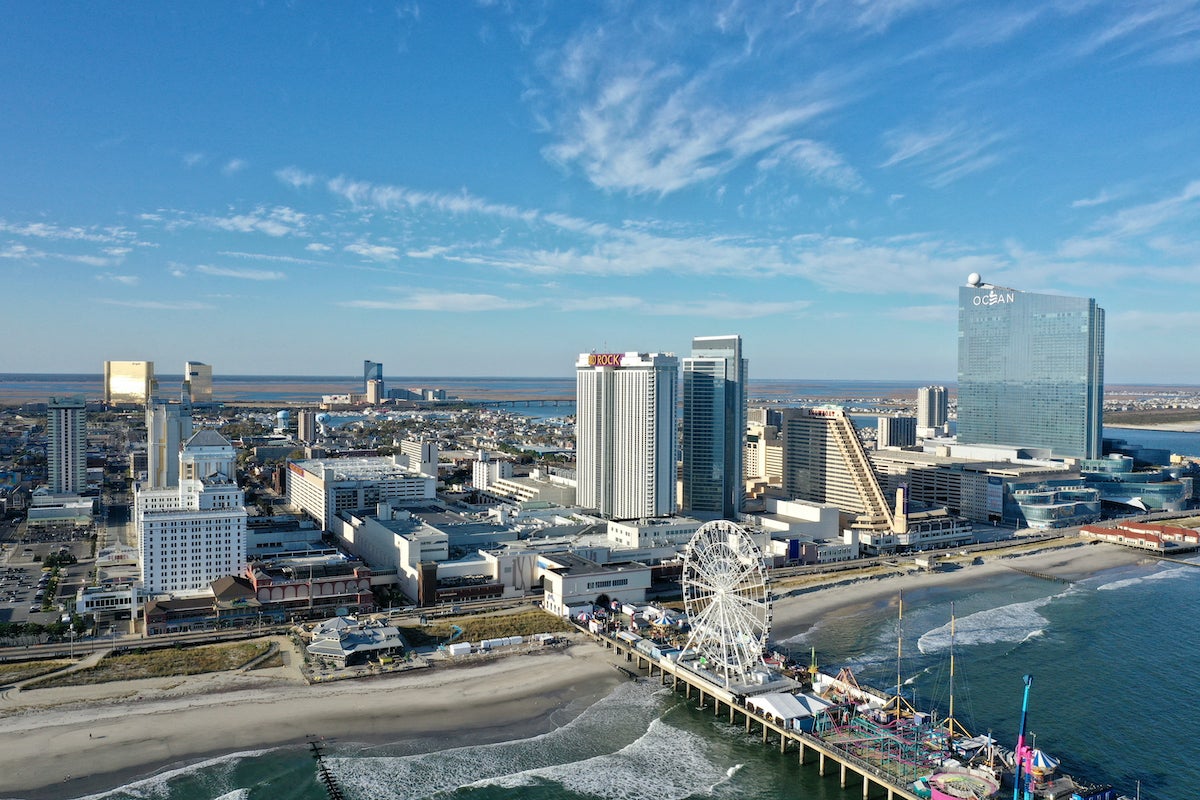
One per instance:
(323, 774)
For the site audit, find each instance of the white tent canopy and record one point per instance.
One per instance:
(787, 706)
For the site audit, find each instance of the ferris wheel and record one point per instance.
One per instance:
(727, 601)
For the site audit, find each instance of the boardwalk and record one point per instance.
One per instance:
(874, 779)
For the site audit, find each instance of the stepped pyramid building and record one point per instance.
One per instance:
(824, 462)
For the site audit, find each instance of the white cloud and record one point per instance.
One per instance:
(274, 221)
(444, 302)
(234, 166)
(398, 198)
(1096, 200)
(267, 257)
(819, 161)
(50, 231)
(20, 251)
(317, 247)
(716, 308)
(127, 280)
(157, 305)
(945, 152)
(242, 274)
(656, 130)
(375, 252)
(1141, 219)
(295, 177)
(193, 159)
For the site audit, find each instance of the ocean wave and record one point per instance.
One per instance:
(1015, 622)
(156, 786)
(678, 760)
(1171, 573)
(621, 717)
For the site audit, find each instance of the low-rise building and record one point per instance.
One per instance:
(324, 488)
(572, 581)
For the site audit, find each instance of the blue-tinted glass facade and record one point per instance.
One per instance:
(1030, 371)
(714, 427)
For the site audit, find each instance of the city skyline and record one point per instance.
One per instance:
(545, 181)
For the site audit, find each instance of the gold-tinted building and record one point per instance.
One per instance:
(128, 382)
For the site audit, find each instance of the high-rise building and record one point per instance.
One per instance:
(625, 432)
(306, 427)
(896, 432)
(66, 449)
(932, 411)
(374, 392)
(197, 381)
(128, 382)
(191, 534)
(714, 427)
(372, 371)
(168, 426)
(824, 462)
(1030, 370)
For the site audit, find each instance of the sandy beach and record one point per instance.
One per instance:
(107, 735)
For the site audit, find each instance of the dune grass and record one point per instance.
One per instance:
(161, 664)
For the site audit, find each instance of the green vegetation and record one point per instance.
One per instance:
(1160, 416)
(478, 628)
(162, 663)
(12, 673)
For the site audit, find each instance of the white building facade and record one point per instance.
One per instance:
(66, 445)
(323, 488)
(625, 431)
(194, 533)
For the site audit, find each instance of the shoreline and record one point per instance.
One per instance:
(110, 735)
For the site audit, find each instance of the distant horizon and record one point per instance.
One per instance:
(218, 377)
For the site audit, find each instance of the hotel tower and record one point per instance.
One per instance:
(625, 433)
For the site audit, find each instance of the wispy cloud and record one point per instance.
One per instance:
(444, 302)
(945, 152)
(234, 166)
(819, 161)
(193, 159)
(654, 130)
(713, 308)
(375, 252)
(317, 247)
(241, 274)
(1144, 218)
(295, 177)
(275, 221)
(1100, 199)
(267, 257)
(157, 305)
(127, 280)
(49, 231)
(397, 198)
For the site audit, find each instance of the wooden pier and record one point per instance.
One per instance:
(850, 768)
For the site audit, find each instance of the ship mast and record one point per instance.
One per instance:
(899, 649)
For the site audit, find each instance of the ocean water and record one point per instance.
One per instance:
(1112, 697)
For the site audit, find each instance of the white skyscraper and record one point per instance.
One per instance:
(191, 534)
(66, 450)
(931, 411)
(625, 431)
(714, 427)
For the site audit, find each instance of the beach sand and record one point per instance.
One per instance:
(107, 735)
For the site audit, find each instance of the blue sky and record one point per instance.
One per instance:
(491, 188)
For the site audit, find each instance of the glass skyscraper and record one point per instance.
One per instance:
(1030, 370)
(714, 427)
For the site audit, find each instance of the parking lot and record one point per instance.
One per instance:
(26, 585)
